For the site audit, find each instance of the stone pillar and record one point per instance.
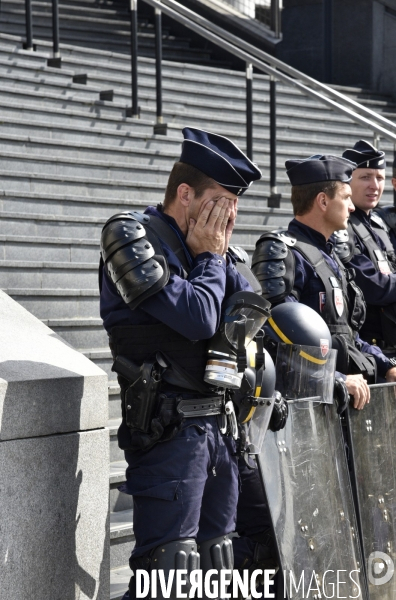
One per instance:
(54, 461)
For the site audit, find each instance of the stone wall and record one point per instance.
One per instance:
(53, 465)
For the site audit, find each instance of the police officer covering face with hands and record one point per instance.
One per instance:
(301, 265)
(165, 276)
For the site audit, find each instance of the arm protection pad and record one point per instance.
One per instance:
(273, 265)
(133, 257)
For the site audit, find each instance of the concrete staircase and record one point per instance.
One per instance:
(69, 160)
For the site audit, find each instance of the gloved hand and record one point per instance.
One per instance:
(279, 413)
(341, 394)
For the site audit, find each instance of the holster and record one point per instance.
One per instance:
(141, 398)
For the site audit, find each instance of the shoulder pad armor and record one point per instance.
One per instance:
(387, 214)
(133, 257)
(273, 265)
(344, 244)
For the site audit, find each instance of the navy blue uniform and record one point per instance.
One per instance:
(186, 487)
(310, 287)
(378, 289)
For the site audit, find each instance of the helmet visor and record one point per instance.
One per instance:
(305, 372)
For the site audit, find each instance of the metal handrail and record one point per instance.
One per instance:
(240, 44)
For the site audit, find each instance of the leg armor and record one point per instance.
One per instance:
(257, 551)
(216, 553)
(180, 554)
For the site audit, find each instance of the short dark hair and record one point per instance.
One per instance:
(184, 173)
(303, 196)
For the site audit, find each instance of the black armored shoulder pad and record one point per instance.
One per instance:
(344, 244)
(385, 215)
(133, 257)
(273, 264)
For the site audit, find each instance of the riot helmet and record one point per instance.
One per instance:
(296, 323)
(305, 362)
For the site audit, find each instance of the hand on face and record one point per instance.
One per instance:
(211, 230)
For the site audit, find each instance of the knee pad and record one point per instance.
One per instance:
(179, 554)
(216, 553)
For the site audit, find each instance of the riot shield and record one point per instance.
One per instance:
(373, 436)
(306, 482)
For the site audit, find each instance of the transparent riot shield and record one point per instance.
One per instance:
(306, 481)
(373, 437)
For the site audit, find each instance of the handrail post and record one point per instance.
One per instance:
(376, 142)
(55, 61)
(134, 111)
(160, 127)
(274, 198)
(275, 17)
(28, 45)
(249, 110)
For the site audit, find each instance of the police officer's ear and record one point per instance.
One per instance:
(394, 182)
(321, 200)
(185, 194)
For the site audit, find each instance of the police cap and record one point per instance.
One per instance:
(220, 159)
(319, 168)
(366, 156)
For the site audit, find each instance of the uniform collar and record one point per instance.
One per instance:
(362, 215)
(317, 238)
(158, 212)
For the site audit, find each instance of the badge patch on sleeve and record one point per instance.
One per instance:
(322, 300)
(338, 301)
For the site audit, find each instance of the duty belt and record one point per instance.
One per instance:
(195, 407)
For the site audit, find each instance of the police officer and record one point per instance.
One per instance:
(369, 250)
(165, 276)
(302, 266)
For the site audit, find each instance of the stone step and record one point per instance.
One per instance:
(122, 539)
(52, 107)
(114, 400)
(118, 500)
(26, 274)
(116, 454)
(73, 25)
(98, 59)
(51, 303)
(12, 182)
(119, 581)
(14, 247)
(80, 332)
(24, 74)
(101, 357)
(42, 225)
(172, 48)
